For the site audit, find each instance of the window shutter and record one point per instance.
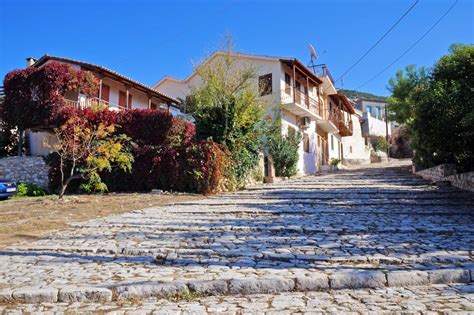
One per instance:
(122, 97)
(105, 94)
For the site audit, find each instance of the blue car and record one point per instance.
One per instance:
(7, 188)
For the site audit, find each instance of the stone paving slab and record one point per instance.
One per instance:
(401, 225)
(434, 299)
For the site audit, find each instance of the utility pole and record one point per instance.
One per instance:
(386, 132)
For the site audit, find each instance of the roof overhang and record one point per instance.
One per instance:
(302, 68)
(108, 73)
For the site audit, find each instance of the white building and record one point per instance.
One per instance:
(374, 117)
(116, 91)
(300, 97)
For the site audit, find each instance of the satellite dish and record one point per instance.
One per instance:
(314, 56)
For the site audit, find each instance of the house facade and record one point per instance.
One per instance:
(374, 117)
(305, 100)
(116, 91)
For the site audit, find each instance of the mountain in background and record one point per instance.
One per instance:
(354, 95)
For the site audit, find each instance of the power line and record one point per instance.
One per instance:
(377, 42)
(409, 48)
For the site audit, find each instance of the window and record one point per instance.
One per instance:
(153, 106)
(377, 112)
(350, 149)
(105, 92)
(287, 84)
(332, 142)
(369, 110)
(306, 142)
(129, 101)
(265, 84)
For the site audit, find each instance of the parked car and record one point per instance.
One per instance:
(7, 188)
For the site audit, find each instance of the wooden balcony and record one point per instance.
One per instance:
(92, 102)
(330, 122)
(345, 124)
(302, 104)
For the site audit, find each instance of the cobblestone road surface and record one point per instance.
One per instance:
(415, 300)
(313, 233)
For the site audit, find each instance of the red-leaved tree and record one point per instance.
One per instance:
(34, 97)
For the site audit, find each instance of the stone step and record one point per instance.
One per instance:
(209, 256)
(281, 229)
(268, 284)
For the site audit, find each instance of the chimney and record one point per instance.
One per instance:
(30, 61)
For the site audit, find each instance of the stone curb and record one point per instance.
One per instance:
(311, 281)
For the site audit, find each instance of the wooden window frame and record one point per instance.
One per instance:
(265, 84)
(287, 84)
(305, 142)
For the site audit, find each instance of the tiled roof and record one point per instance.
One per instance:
(158, 94)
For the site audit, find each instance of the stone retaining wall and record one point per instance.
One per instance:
(448, 172)
(26, 169)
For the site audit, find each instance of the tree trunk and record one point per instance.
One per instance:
(66, 183)
(20, 142)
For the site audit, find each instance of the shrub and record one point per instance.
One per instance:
(334, 162)
(30, 190)
(401, 143)
(379, 143)
(166, 154)
(283, 149)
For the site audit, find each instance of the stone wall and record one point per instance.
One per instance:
(464, 181)
(26, 169)
(448, 172)
(378, 157)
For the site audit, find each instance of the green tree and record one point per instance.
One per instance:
(439, 109)
(283, 149)
(400, 104)
(226, 108)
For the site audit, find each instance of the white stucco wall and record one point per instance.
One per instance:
(40, 143)
(334, 150)
(375, 127)
(174, 88)
(307, 161)
(354, 149)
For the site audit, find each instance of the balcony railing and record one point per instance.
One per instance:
(305, 101)
(345, 124)
(333, 116)
(91, 102)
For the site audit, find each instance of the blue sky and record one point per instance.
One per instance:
(149, 39)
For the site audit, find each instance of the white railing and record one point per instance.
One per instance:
(91, 102)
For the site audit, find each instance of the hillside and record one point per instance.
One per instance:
(352, 95)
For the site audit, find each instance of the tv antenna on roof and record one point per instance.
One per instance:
(314, 56)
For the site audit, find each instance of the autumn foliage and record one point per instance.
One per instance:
(165, 152)
(35, 96)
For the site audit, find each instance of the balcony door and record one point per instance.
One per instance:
(297, 92)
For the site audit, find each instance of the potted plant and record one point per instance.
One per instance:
(334, 163)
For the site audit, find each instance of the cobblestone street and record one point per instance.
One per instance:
(372, 238)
